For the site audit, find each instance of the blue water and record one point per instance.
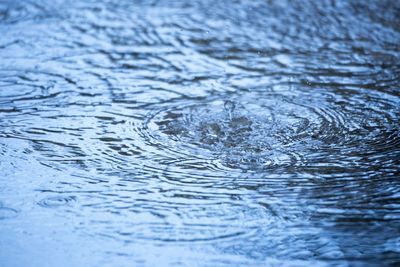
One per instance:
(199, 133)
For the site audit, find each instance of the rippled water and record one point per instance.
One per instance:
(199, 133)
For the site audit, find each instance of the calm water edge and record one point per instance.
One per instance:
(199, 133)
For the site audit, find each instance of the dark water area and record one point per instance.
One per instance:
(199, 133)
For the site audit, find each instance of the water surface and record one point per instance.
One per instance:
(199, 133)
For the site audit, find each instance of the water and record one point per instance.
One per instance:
(199, 133)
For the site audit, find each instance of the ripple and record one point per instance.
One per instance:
(226, 219)
(241, 129)
(14, 12)
(56, 201)
(263, 130)
(7, 213)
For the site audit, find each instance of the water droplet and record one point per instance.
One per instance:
(229, 108)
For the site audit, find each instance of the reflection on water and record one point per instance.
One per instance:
(199, 133)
